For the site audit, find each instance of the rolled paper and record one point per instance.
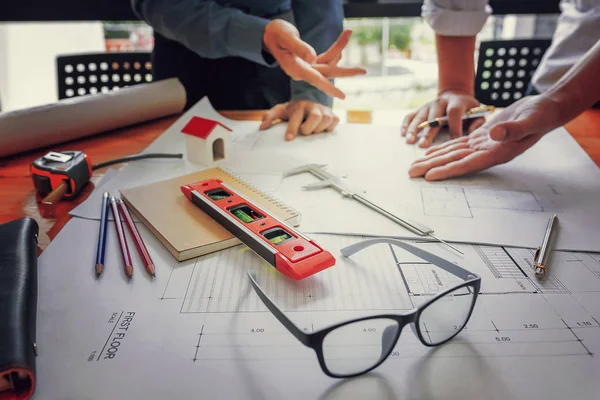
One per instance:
(75, 118)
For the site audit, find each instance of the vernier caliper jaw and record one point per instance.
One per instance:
(328, 180)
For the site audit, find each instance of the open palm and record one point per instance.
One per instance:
(468, 154)
(505, 136)
(300, 61)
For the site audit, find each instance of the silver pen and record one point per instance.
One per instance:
(540, 259)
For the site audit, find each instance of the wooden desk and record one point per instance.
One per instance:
(18, 198)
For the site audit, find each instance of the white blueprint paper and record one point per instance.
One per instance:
(199, 331)
(507, 205)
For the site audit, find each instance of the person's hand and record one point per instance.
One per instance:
(505, 136)
(452, 103)
(300, 61)
(468, 154)
(305, 117)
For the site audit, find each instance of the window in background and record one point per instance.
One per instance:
(400, 57)
(28, 52)
(398, 53)
(128, 36)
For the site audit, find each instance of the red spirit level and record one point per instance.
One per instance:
(288, 250)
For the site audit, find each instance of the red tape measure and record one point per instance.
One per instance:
(62, 175)
(66, 173)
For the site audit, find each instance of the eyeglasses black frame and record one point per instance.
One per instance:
(314, 340)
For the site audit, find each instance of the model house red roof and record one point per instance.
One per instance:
(201, 127)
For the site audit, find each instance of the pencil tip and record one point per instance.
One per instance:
(152, 270)
(99, 268)
(129, 271)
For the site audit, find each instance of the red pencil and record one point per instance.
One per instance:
(122, 239)
(139, 243)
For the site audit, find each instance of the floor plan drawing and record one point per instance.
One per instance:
(197, 329)
(516, 315)
(202, 319)
(448, 201)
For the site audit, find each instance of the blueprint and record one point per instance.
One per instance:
(507, 205)
(199, 331)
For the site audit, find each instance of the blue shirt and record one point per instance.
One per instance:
(219, 28)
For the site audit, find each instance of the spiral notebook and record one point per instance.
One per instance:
(185, 230)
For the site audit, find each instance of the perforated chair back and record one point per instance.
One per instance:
(505, 68)
(91, 73)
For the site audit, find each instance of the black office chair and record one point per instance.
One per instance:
(504, 69)
(91, 73)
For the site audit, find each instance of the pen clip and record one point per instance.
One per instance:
(536, 256)
(479, 109)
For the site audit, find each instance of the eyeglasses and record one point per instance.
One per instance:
(373, 338)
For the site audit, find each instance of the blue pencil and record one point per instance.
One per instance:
(100, 250)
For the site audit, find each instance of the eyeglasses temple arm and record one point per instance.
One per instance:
(294, 330)
(425, 255)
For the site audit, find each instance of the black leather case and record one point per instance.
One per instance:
(18, 307)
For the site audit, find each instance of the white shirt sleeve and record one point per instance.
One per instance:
(577, 31)
(456, 17)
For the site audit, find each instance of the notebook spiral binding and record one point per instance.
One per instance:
(268, 197)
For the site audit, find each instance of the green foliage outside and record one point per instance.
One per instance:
(119, 29)
(114, 34)
(399, 35)
(367, 34)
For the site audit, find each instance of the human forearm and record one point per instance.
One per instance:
(456, 70)
(320, 23)
(205, 27)
(456, 76)
(579, 88)
(456, 23)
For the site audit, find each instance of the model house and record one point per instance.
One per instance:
(207, 141)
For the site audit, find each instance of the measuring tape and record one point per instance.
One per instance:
(62, 175)
(289, 251)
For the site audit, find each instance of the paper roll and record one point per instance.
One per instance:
(75, 118)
